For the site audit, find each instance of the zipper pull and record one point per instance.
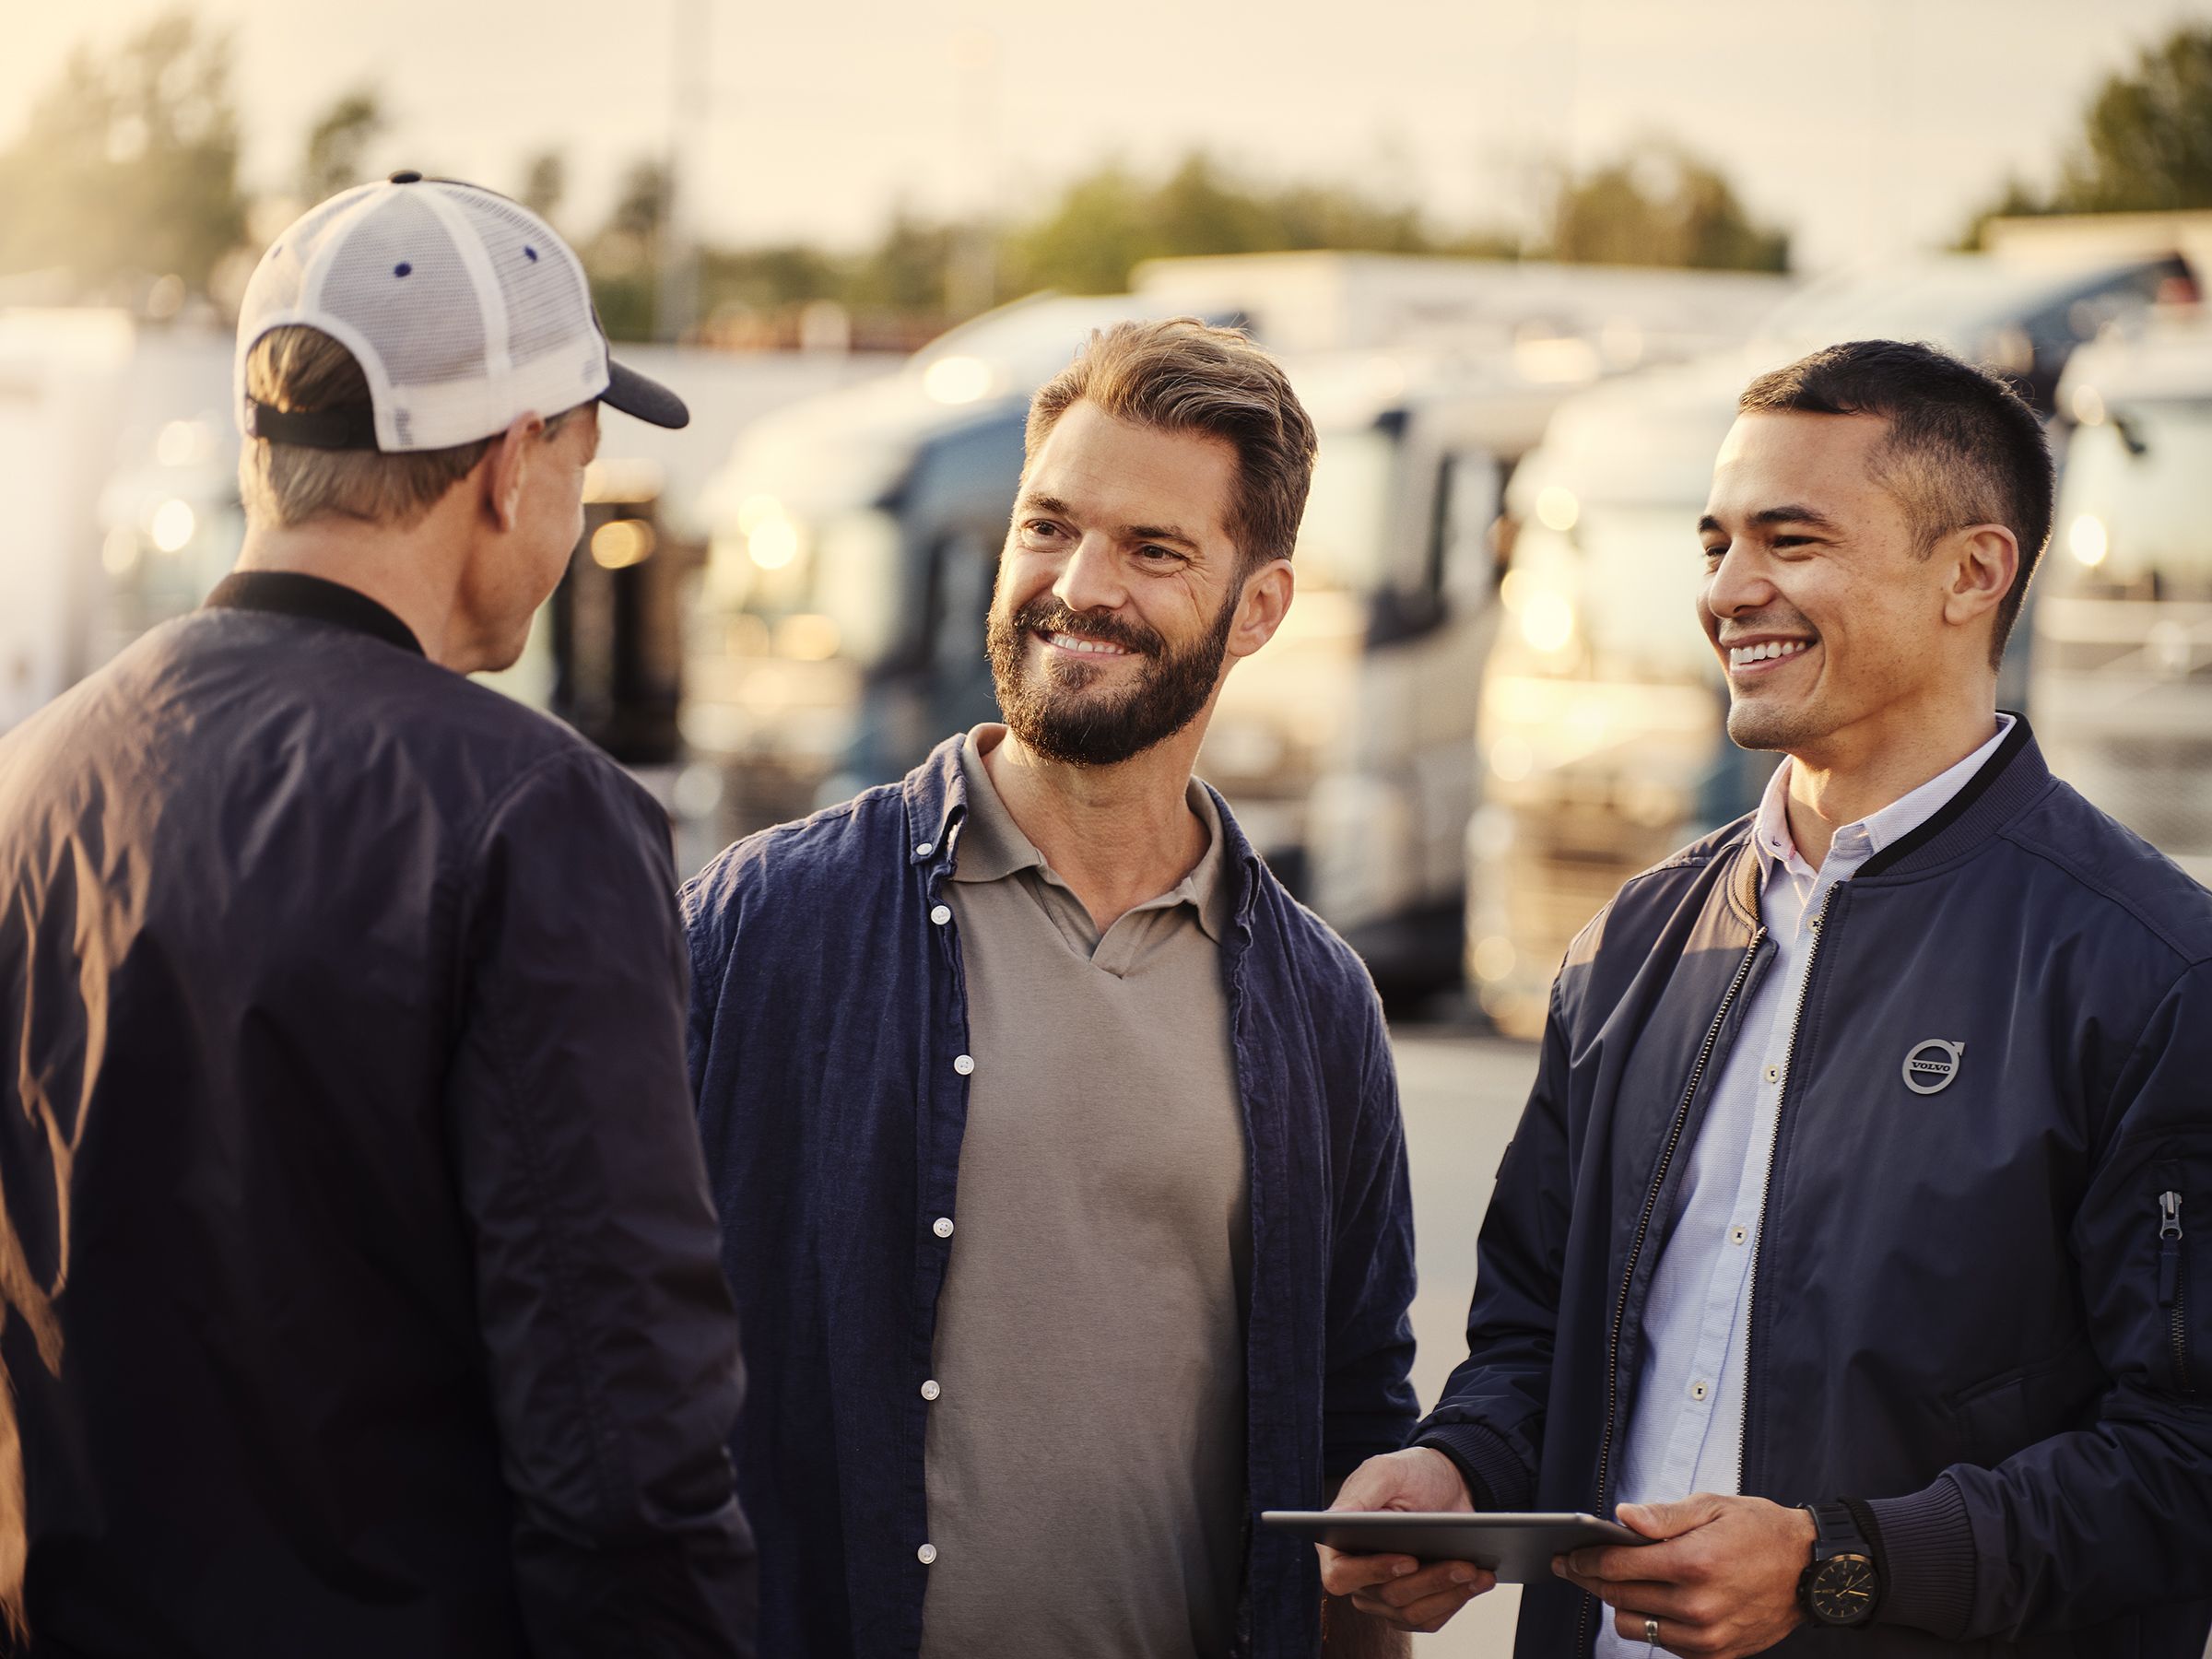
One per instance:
(2170, 1247)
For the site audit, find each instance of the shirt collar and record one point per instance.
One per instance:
(993, 847)
(296, 593)
(1879, 828)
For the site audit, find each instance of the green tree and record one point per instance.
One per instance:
(1108, 220)
(545, 184)
(1664, 207)
(2144, 143)
(2147, 138)
(337, 145)
(128, 167)
(623, 259)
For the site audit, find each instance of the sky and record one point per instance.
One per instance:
(1865, 127)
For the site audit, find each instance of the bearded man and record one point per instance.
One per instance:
(1057, 1148)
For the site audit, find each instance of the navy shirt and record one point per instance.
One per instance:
(828, 1050)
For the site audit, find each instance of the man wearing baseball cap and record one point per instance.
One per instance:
(362, 1290)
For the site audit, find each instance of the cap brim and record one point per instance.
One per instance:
(633, 393)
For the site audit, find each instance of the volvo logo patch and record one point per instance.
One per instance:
(1931, 1066)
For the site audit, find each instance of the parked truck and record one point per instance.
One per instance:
(2121, 670)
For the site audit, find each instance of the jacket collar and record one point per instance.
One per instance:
(2008, 780)
(296, 593)
(936, 797)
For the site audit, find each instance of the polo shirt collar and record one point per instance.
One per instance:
(993, 847)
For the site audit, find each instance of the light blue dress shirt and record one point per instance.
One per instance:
(1686, 1425)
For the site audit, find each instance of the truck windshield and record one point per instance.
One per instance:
(1635, 572)
(1341, 540)
(2132, 518)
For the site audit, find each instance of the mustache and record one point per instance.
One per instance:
(1050, 616)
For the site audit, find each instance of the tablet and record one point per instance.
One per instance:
(1517, 1547)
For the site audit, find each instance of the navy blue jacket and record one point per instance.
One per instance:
(827, 1014)
(1963, 1308)
(361, 1294)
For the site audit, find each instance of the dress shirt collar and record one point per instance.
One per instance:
(1863, 839)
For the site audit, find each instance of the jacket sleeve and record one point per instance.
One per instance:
(1489, 1418)
(1367, 1403)
(2115, 1516)
(609, 1333)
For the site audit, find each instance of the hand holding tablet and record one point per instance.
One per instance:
(1515, 1548)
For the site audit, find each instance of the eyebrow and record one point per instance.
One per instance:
(1060, 509)
(1767, 517)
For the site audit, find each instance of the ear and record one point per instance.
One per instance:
(506, 467)
(1260, 609)
(1984, 561)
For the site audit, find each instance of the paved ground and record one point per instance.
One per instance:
(1461, 1098)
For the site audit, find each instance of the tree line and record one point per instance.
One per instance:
(124, 186)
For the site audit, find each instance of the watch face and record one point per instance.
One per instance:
(1842, 1590)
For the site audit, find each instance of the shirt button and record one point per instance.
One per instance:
(942, 1227)
(926, 1554)
(963, 1063)
(925, 849)
(1736, 1235)
(1698, 1391)
(1773, 1073)
(930, 1390)
(941, 915)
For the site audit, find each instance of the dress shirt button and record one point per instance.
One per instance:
(930, 1390)
(926, 1554)
(942, 1227)
(963, 1063)
(1736, 1235)
(1698, 1391)
(1773, 1073)
(925, 849)
(940, 914)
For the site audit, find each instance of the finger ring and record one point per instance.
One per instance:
(1651, 1631)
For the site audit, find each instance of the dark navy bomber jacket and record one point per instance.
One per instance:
(1985, 1309)
(828, 1015)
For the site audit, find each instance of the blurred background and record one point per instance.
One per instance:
(1518, 261)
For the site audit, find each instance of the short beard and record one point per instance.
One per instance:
(1049, 712)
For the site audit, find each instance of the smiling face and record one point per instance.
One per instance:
(1121, 597)
(1828, 614)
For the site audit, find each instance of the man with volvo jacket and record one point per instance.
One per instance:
(1870, 1152)
(1057, 1148)
(361, 1284)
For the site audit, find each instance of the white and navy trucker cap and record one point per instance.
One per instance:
(463, 309)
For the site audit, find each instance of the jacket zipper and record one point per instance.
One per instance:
(2173, 1295)
(1650, 1203)
(1766, 1179)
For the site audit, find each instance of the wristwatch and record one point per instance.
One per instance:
(1843, 1586)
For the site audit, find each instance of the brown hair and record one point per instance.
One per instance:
(297, 367)
(1182, 376)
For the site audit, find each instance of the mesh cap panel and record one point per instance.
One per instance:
(546, 299)
(398, 281)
